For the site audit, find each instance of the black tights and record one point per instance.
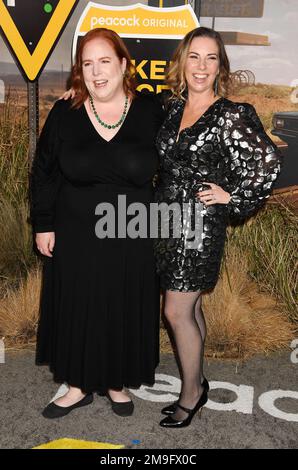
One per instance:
(184, 313)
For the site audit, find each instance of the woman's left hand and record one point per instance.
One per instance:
(214, 195)
(68, 94)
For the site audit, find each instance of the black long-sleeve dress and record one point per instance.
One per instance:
(226, 146)
(99, 309)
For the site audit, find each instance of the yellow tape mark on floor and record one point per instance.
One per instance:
(67, 443)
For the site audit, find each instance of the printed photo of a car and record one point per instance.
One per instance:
(285, 126)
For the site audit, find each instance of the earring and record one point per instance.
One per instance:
(216, 86)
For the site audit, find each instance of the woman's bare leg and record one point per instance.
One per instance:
(73, 395)
(119, 395)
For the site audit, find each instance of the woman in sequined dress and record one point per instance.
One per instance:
(216, 152)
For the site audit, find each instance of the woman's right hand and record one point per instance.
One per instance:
(45, 243)
(68, 94)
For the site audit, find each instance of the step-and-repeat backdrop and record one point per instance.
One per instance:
(38, 41)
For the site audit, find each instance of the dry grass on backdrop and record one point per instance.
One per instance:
(241, 320)
(19, 311)
(253, 308)
(16, 252)
(269, 242)
(243, 317)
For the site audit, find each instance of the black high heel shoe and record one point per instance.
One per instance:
(170, 422)
(170, 409)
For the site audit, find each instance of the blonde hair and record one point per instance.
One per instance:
(175, 78)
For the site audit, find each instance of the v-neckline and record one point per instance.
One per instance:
(96, 131)
(196, 122)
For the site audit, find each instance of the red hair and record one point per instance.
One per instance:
(77, 80)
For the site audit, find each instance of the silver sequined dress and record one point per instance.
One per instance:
(226, 146)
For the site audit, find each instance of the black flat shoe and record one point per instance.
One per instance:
(170, 409)
(170, 422)
(121, 408)
(55, 411)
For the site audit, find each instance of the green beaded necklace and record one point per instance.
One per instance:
(104, 124)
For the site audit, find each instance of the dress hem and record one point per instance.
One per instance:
(99, 388)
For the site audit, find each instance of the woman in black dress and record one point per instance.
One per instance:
(99, 324)
(214, 151)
